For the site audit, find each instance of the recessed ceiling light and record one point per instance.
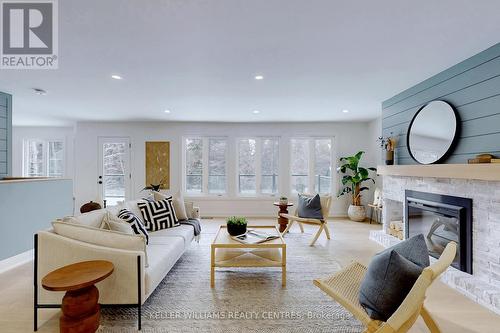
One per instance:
(116, 77)
(167, 111)
(39, 91)
(345, 111)
(259, 77)
(255, 111)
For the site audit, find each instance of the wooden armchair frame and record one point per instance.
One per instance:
(344, 287)
(326, 202)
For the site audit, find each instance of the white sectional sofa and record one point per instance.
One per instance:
(139, 269)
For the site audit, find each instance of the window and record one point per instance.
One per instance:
(205, 165)
(217, 165)
(311, 165)
(115, 177)
(258, 166)
(43, 158)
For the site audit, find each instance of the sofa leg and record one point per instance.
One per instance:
(139, 321)
(139, 293)
(35, 285)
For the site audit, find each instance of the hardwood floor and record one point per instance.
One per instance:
(453, 312)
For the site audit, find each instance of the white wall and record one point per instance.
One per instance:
(20, 133)
(349, 138)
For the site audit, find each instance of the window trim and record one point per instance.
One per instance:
(312, 163)
(46, 155)
(258, 167)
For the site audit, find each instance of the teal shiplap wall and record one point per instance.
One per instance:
(5, 135)
(30, 206)
(473, 88)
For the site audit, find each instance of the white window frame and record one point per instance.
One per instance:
(258, 167)
(46, 146)
(101, 140)
(312, 160)
(205, 171)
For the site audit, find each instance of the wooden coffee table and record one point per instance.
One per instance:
(80, 308)
(226, 252)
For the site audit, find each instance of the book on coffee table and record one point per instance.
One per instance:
(254, 237)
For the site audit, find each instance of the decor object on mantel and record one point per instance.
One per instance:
(483, 158)
(158, 164)
(433, 132)
(236, 225)
(389, 145)
(353, 179)
(90, 206)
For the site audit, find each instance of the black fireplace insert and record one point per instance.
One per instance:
(441, 219)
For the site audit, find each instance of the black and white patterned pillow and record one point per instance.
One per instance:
(135, 223)
(159, 214)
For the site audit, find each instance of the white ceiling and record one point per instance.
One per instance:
(198, 58)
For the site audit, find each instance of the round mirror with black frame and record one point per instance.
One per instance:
(433, 132)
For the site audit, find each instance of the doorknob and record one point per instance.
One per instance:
(100, 182)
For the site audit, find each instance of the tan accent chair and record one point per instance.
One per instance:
(344, 287)
(326, 202)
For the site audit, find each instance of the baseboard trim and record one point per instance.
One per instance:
(15, 261)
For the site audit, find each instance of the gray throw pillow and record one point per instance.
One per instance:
(390, 276)
(309, 207)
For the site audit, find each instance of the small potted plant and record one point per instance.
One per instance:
(283, 201)
(236, 225)
(352, 181)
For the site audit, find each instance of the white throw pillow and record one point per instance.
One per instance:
(101, 237)
(114, 223)
(90, 219)
(178, 202)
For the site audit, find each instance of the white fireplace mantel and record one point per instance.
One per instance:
(485, 171)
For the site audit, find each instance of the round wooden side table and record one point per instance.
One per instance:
(283, 221)
(80, 307)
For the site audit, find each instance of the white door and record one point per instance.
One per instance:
(114, 169)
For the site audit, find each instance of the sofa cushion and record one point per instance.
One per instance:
(135, 223)
(185, 232)
(101, 237)
(177, 201)
(90, 219)
(158, 215)
(162, 257)
(390, 276)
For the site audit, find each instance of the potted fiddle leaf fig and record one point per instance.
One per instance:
(354, 182)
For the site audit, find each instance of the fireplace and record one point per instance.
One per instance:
(441, 219)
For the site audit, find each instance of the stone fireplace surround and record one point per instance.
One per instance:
(484, 285)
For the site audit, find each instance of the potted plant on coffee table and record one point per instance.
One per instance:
(236, 225)
(353, 183)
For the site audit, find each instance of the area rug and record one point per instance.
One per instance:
(243, 300)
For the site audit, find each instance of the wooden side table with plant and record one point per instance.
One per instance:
(283, 205)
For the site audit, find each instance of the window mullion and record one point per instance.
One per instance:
(204, 173)
(311, 165)
(258, 164)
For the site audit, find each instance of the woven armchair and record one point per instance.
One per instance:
(326, 202)
(344, 287)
